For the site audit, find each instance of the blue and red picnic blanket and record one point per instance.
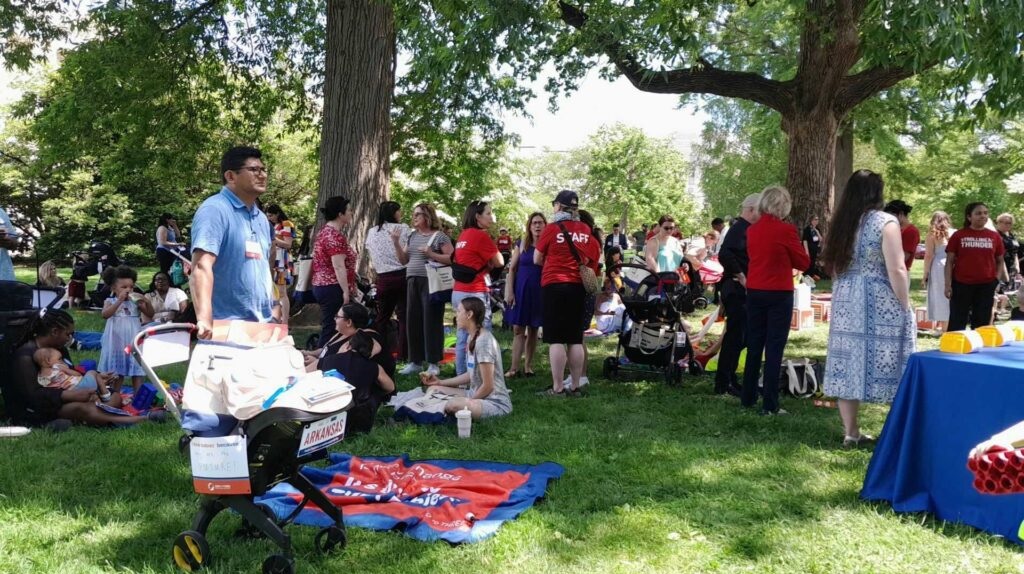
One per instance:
(453, 500)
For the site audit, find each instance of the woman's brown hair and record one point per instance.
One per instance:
(528, 238)
(432, 220)
(863, 194)
(476, 308)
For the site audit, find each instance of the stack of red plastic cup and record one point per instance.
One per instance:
(998, 471)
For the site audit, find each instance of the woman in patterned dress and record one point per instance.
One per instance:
(872, 332)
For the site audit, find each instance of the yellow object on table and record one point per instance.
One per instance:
(1018, 329)
(997, 335)
(961, 342)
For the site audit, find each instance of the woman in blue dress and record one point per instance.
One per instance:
(523, 308)
(872, 332)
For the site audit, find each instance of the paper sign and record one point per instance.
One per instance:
(166, 348)
(219, 465)
(322, 434)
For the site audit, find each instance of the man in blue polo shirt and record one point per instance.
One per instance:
(231, 246)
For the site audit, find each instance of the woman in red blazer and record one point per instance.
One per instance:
(775, 251)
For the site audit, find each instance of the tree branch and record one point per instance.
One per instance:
(190, 16)
(856, 88)
(13, 157)
(702, 78)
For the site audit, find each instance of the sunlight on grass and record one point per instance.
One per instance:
(658, 479)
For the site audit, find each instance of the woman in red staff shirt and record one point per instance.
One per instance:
(775, 251)
(974, 264)
(476, 250)
(562, 289)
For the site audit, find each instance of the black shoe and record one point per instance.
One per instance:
(57, 425)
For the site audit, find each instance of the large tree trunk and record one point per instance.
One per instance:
(359, 78)
(812, 144)
(844, 161)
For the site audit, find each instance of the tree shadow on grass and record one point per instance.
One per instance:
(643, 461)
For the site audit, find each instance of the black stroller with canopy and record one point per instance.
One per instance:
(87, 263)
(654, 338)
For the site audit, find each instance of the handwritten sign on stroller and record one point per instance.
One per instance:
(219, 465)
(322, 434)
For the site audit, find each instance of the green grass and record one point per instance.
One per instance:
(658, 479)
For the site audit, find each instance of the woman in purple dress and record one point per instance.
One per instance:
(523, 308)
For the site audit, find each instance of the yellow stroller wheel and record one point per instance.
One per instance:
(191, 552)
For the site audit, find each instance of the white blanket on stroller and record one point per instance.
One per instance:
(238, 381)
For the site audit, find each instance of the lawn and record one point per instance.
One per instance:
(658, 479)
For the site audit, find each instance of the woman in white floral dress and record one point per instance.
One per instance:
(872, 332)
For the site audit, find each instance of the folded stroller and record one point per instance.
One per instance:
(279, 432)
(656, 340)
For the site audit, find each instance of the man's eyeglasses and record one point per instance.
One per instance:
(260, 170)
(339, 317)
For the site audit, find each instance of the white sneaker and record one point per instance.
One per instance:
(433, 369)
(410, 369)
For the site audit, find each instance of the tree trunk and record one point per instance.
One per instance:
(812, 145)
(844, 161)
(359, 78)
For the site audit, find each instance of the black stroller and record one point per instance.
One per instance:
(274, 454)
(92, 261)
(653, 338)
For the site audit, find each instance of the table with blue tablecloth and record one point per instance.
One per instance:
(945, 405)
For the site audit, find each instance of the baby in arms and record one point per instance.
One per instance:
(53, 372)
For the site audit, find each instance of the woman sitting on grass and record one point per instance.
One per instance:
(30, 404)
(487, 395)
(352, 318)
(372, 385)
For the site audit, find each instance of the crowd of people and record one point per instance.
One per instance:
(242, 265)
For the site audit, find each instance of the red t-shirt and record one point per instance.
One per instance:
(911, 237)
(474, 248)
(330, 242)
(775, 251)
(559, 264)
(504, 243)
(976, 251)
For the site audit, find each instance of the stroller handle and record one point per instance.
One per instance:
(136, 352)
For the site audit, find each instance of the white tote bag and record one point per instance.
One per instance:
(439, 277)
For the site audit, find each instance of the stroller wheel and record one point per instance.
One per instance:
(279, 564)
(330, 539)
(610, 368)
(183, 445)
(673, 374)
(191, 552)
